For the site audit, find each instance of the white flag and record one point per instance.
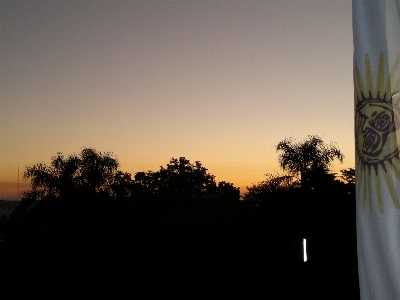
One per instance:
(376, 36)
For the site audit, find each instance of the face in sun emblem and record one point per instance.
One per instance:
(377, 123)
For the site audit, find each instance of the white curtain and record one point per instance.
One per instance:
(376, 36)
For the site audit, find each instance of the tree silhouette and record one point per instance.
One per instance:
(273, 185)
(175, 218)
(349, 175)
(227, 193)
(86, 174)
(180, 180)
(310, 158)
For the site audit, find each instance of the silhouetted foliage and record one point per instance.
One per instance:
(86, 174)
(86, 224)
(181, 181)
(349, 175)
(227, 193)
(310, 158)
(273, 185)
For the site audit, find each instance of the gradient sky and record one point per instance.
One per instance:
(221, 82)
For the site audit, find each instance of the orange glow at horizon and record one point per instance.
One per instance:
(220, 82)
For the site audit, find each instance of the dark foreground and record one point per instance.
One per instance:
(181, 252)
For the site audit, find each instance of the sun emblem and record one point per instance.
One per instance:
(377, 123)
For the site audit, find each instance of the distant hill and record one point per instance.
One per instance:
(7, 207)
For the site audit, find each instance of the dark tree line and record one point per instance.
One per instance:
(88, 226)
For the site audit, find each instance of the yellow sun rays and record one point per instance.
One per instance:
(377, 179)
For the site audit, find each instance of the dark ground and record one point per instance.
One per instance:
(7, 207)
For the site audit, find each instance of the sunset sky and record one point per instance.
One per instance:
(220, 82)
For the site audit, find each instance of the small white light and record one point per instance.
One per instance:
(305, 249)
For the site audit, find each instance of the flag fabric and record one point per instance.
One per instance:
(376, 37)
